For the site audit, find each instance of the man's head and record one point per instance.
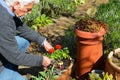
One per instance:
(21, 7)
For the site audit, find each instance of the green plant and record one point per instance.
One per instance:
(41, 21)
(110, 13)
(60, 54)
(103, 76)
(55, 8)
(77, 2)
(51, 8)
(70, 40)
(29, 18)
(46, 75)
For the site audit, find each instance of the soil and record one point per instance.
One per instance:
(64, 66)
(56, 32)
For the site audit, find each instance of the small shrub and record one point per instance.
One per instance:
(41, 21)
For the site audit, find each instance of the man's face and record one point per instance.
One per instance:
(20, 10)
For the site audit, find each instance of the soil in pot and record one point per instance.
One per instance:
(90, 25)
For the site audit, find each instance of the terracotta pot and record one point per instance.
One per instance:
(110, 67)
(89, 52)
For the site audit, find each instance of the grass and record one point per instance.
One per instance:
(110, 13)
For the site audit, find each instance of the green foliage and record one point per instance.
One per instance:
(29, 18)
(110, 13)
(70, 40)
(60, 54)
(51, 8)
(54, 70)
(42, 20)
(54, 8)
(77, 2)
(104, 76)
(46, 75)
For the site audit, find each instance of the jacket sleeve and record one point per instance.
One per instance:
(27, 32)
(8, 45)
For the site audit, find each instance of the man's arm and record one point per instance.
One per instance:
(27, 32)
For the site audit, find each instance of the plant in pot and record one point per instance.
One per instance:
(100, 75)
(113, 63)
(61, 66)
(89, 35)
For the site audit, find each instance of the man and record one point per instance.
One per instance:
(14, 40)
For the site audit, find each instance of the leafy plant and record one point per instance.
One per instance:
(46, 75)
(41, 21)
(70, 37)
(60, 57)
(59, 54)
(104, 76)
(77, 2)
(56, 67)
(29, 18)
(55, 8)
(48, 9)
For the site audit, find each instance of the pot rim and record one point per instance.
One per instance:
(90, 35)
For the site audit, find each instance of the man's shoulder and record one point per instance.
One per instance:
(5, 17)
(3, 13)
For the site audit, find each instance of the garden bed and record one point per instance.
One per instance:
(56, 32)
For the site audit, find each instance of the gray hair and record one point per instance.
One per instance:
(22, 2)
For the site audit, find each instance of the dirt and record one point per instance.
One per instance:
(55, 32)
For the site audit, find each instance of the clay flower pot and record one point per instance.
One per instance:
(89, 51)
(112, 67)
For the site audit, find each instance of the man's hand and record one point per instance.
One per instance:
(46, 61)
(47, 45)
